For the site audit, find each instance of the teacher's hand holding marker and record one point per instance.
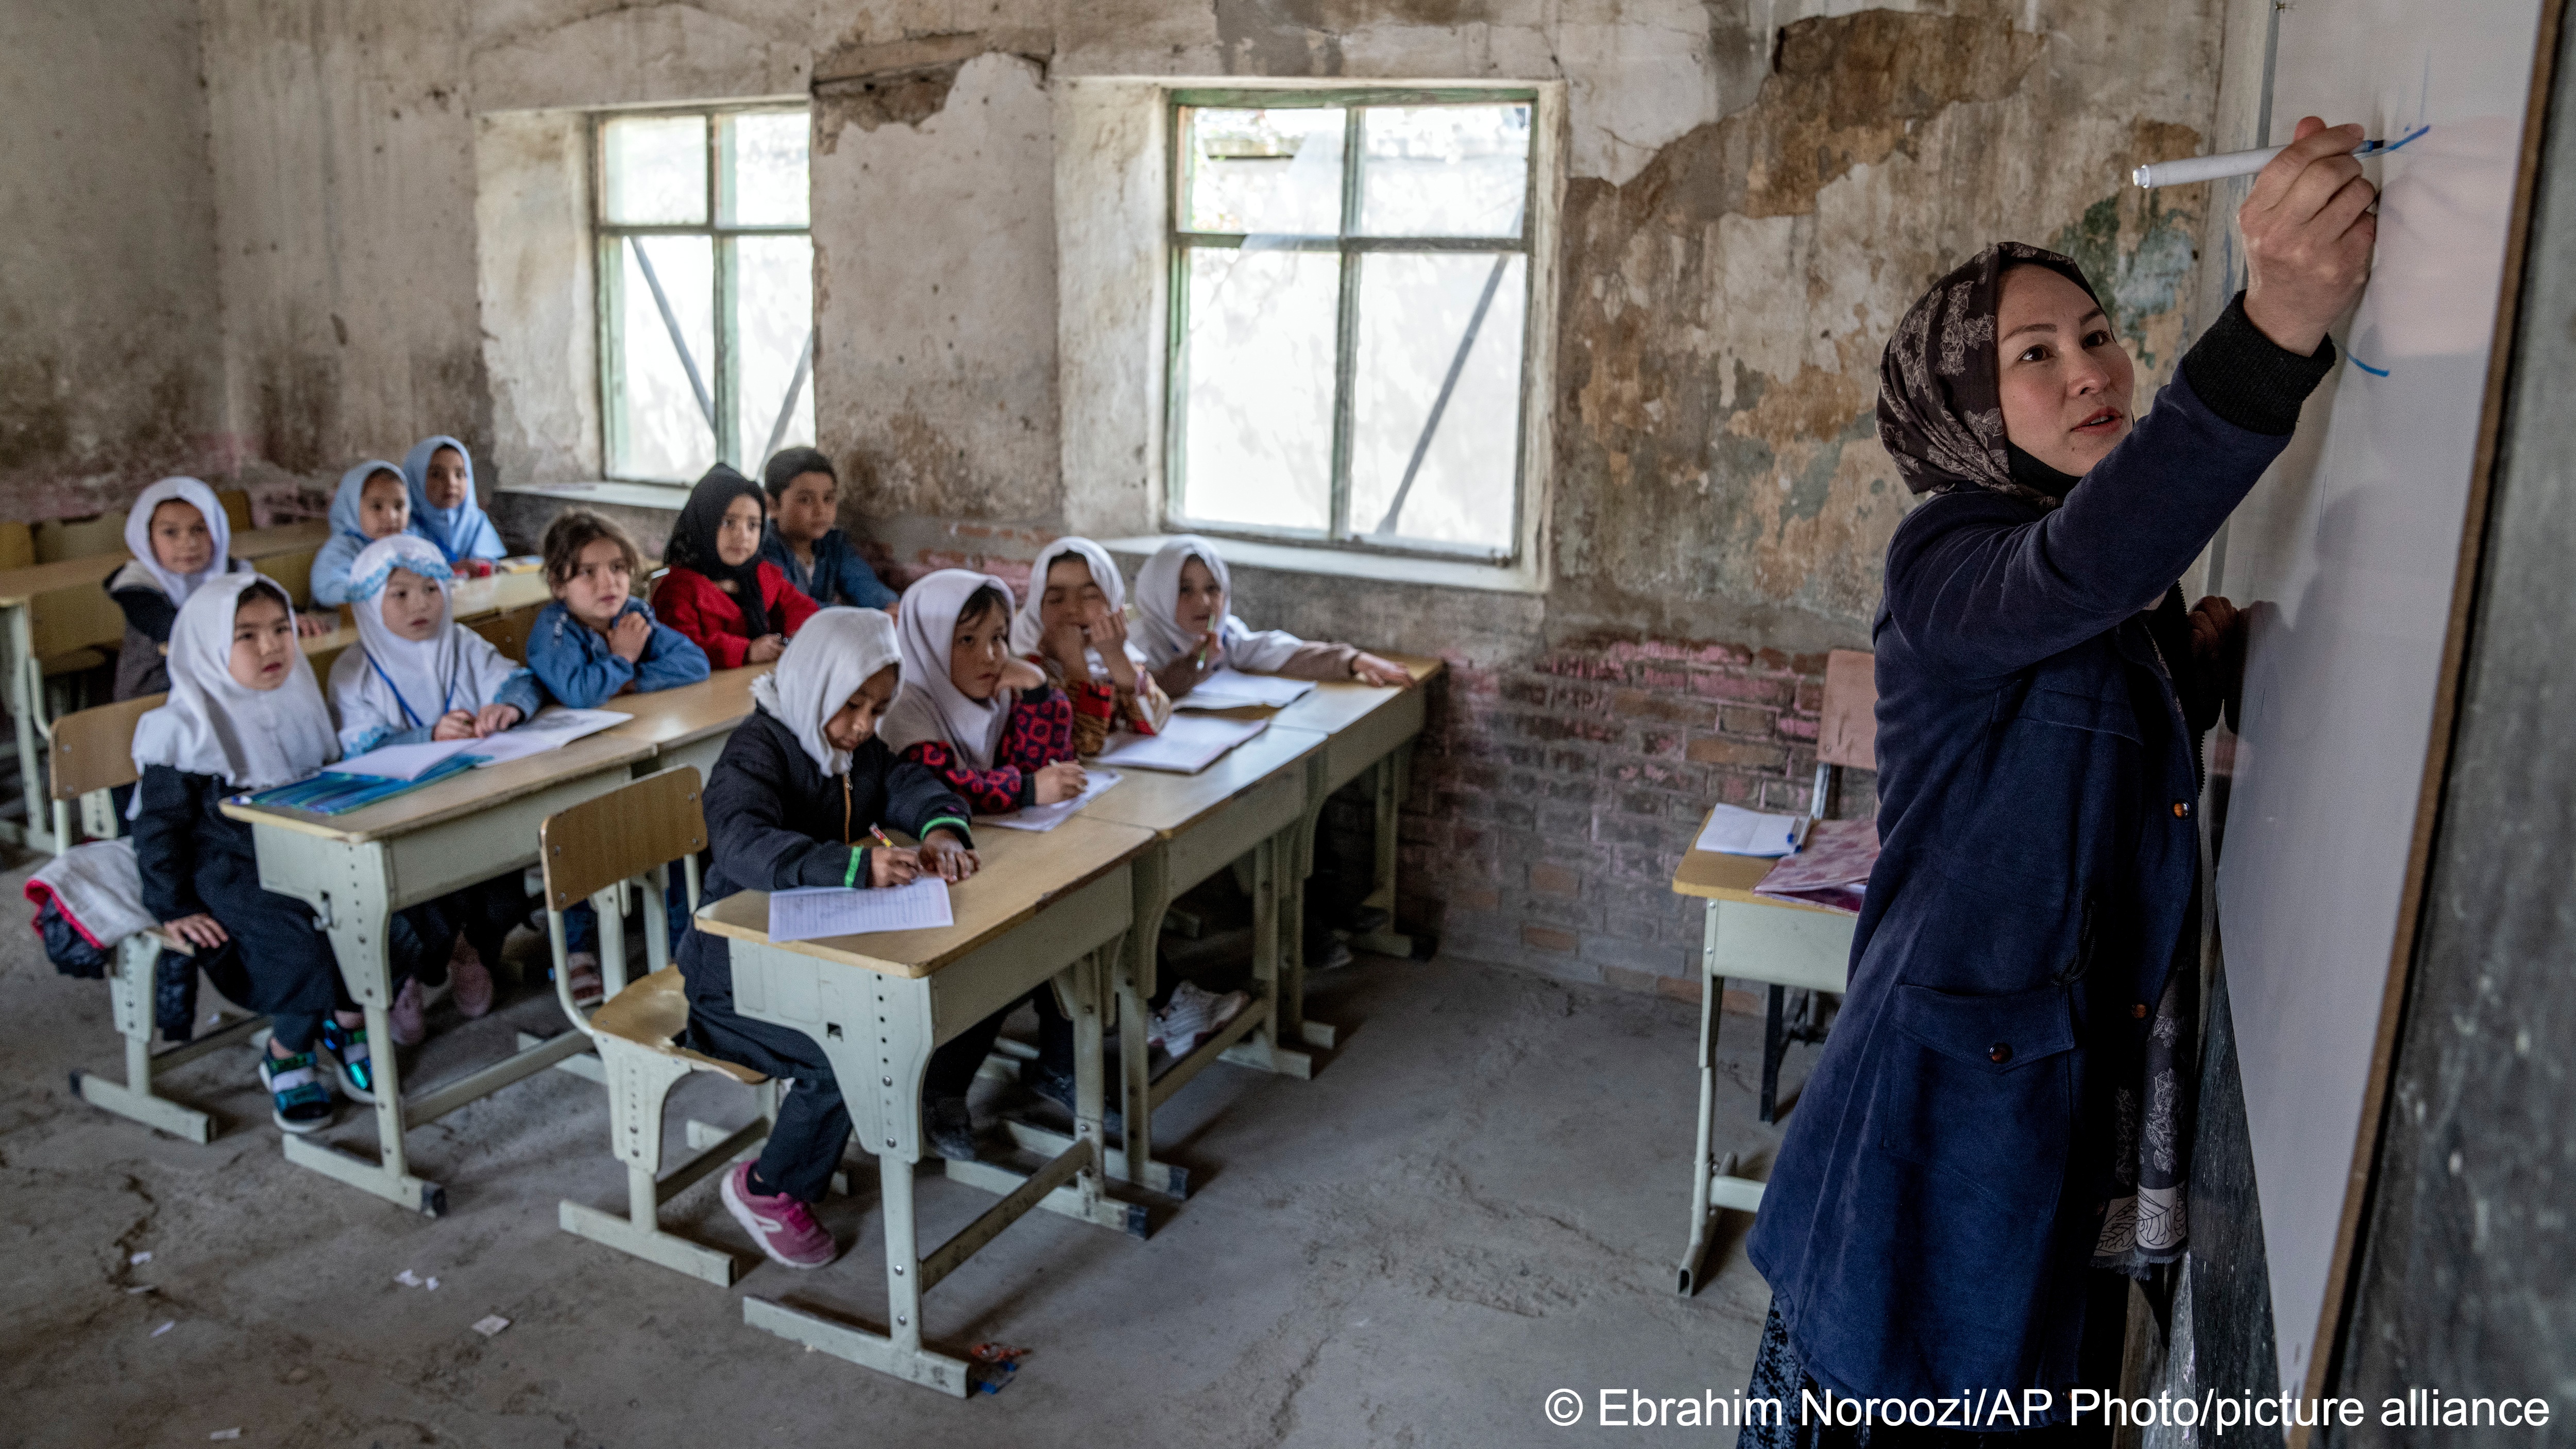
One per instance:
(2308, 233)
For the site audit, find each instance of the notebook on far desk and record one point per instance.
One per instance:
(1187, 745)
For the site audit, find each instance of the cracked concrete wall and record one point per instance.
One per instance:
(109, 375)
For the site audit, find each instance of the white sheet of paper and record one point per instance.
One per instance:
(1048, 817)
(806, 915)
(1733, 830)
(1187, 745)
(401, 762)
(1230, 688)
(553, 728)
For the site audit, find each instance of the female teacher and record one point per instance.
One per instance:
(1998, 1130)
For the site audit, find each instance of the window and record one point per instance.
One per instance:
(706, 290)
(1350, 301)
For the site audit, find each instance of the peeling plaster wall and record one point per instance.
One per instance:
(935, 357)
(539, 294)
(344, 177)
(109, 374)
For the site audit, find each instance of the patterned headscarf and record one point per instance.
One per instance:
(1940, 404)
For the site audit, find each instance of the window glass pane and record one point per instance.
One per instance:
(1444, 170)
(657, 169)
(666, 431)
(768, 168)
(1273, 172)
(1415, 312)
(1259, 420)
(773, 326)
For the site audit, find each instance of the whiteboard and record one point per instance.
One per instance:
(2347, 550)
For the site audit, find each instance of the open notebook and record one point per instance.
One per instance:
(1188, 744)
(381, 774)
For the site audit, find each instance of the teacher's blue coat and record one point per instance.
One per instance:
(1933, 1211)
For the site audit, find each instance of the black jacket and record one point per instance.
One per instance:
(193, 859)
(775, 822)
(1936, 1198)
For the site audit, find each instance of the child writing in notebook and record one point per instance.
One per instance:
(992, 730)
(804, 539)
(418, 676)
(1073, 625)
(792, 802)
(734, 604)
(245, 714)
(595, 642)
(1183, 595)
(373, 502)
(440, 476)
(180, 538)
(988, 725)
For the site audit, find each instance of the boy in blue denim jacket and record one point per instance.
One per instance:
(804, 498)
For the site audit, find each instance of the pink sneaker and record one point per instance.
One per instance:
(469, 979)
(784, 1227)
(408, 1017)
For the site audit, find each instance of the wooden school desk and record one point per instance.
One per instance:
(689, 725)
(94, 623)
(1755, 938)
(1043, 904)
(357, 869)
(1250, 800)
(1367, 728)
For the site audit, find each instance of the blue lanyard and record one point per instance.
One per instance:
(414, 720)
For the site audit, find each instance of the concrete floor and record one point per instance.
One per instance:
(1481, 1198)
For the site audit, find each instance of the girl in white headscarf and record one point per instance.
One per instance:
(1073, 625)
(985, 723)
(245, 715)
(793, 802)
(1183, 595)
(180, 538)
(417, 675)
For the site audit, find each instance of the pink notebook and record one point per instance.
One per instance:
(1832, 870)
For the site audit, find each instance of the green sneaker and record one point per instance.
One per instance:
(302, 1103)
(351, 1062)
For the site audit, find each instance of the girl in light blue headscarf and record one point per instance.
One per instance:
(443, 507)
(360, 514)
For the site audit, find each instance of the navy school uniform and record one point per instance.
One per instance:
(776, 823)
(195, 860)
(1934, 1208)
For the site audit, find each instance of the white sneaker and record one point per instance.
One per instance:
(1192, 1016)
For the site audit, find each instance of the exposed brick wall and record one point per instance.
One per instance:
(1551, 799)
